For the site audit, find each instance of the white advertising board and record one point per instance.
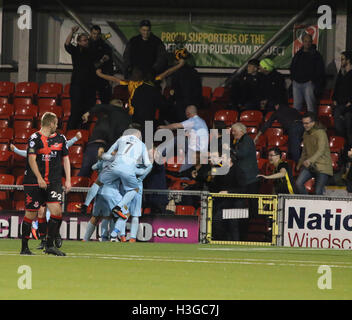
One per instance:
(318, 223)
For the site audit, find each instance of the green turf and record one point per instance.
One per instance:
(138, 271)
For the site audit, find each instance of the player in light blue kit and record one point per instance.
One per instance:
(131, 153)
(40, 225)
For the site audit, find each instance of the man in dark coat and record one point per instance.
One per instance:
(145, 51)
(307, 74)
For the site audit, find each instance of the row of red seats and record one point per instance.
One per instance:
(33, 89)
(255, 117)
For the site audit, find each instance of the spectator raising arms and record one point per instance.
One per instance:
(83, 79)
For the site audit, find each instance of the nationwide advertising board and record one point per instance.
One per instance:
(158, 228)
(318, 223)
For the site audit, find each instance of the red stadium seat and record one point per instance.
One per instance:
(19, 161)
(275, 124)
(29, 112)
(66, 107)
(4, 123)
(325, 116)
(310, 185)
(76, 159)
(174, 164)
(335, 160)
(50, 89)
(221, 94)
(5, 158)
(22, 101)
(72, 207)
(4, 146)
(4, 100)
(252, 130)
(228, 116)
(207, 92)
(26, 89)
(19, 205)
(261, 163)
(336, 143)
(85, 136)
(19, 180)
(47, 102)
(66, 93)
(55, 109)
(21, 135)
(22, 124)
(185, 210)
(6, 134)
(6, 179)
(7, 88)
(251, 117)
(273, 132)
(261, 142)
(79, 181)
(6, 111)
(278, 141)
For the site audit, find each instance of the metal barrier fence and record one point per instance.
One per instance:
(244, 208)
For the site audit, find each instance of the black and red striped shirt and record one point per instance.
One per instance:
(50, 152)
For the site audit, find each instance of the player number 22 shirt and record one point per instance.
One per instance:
(49, 151)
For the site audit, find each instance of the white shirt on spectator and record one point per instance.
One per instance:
(198, 134)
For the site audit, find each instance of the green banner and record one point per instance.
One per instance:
(220, 46)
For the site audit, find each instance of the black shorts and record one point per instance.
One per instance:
(34, 197)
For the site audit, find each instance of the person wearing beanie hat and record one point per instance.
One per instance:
(267, 64)
(272, 87)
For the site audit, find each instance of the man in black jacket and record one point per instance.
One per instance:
(342, 98)
(307, 74)
(103, 58)
(145, 51)
(290, 120)
(245, 91)
(113, 120)
(272, 87)
(83, 79)
(186, 90)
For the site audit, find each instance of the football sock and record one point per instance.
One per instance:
(42, 228)
(127, 198)
(53, 226)
(92, 192)
(89, 231)
(26, 231)
(121, 225)
(134, 227)
(104, 228)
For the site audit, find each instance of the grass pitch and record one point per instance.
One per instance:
(150, 271)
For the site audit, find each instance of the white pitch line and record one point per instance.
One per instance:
(266, 262)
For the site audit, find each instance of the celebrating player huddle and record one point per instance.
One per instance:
(118, 189)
